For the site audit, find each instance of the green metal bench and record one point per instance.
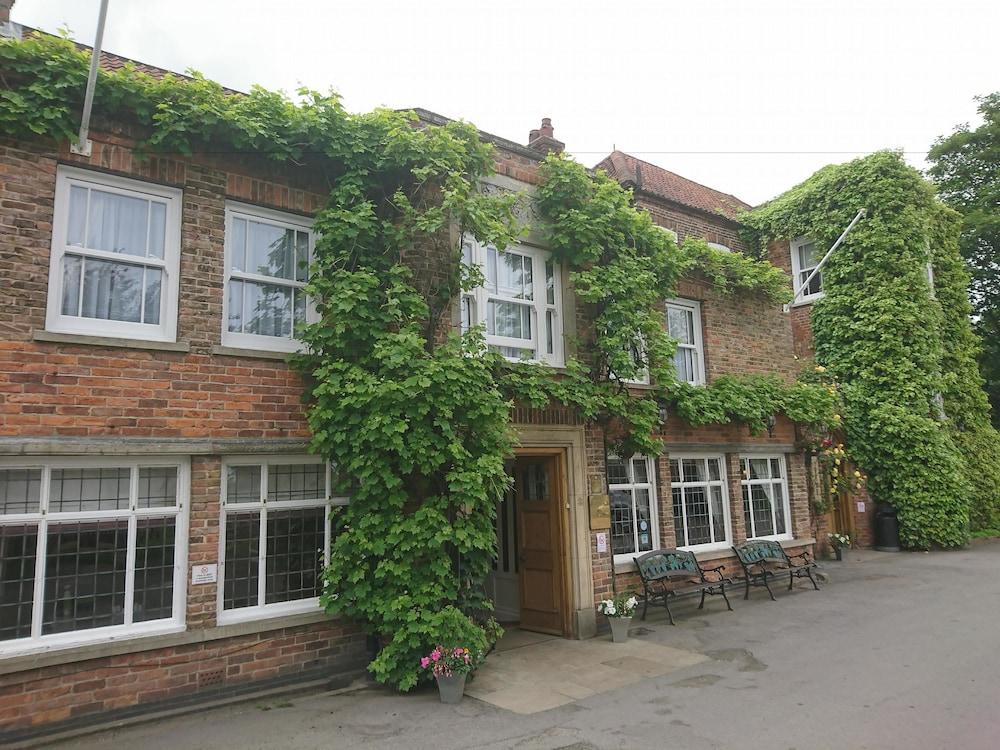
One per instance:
(668, 573)
(763, 559)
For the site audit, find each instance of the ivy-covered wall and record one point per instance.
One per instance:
(897, 346)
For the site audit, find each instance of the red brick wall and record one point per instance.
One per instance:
(57, 389)
(113, 684)
(688, 222)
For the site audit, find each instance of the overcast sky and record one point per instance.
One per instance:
(748, 97)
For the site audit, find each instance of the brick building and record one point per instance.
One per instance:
(159, 512)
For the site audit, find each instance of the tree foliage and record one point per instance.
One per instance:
(894, 345)
(966, 169)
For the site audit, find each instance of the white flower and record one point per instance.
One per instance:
(610, 610)
(631, 603)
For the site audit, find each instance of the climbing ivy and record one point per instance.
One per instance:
(735, 273)
(893, 347)
(415, 416)
(966, 402)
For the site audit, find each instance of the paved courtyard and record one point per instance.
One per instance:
(896, 651)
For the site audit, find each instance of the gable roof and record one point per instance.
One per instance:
(109, 60)
(661, 183)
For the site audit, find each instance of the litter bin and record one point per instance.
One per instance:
(886, 529)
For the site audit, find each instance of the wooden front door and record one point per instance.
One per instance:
(539, 543)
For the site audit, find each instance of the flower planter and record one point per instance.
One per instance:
(839, 551)
(451, 689)
(619, 628)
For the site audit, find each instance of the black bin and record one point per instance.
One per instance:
(886, 529)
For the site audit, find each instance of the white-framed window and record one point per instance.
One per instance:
(115, 262)
(671, 232)
(274, 535)
(520, 304)
(684, 325)
(632, 487)
(805, 257)
(765, 498)
(701, 501)
(638, 354)
(720, 246)
(91, 550)
(267, 265)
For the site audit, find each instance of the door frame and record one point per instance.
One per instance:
(561, 553)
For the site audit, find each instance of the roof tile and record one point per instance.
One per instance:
(653, 180)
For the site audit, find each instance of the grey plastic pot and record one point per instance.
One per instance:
(619, 628)
(451, 689)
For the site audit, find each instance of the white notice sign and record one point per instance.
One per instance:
(861, 506)
(204, 573)
(602, 541)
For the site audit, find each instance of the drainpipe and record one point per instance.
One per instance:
(83, 145)
(607, 489)
(805, 284)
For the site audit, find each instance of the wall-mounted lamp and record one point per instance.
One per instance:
(771, 421)
(661, 412)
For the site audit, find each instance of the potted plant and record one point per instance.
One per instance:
(619, 610)
(450, 667)
(840, 542)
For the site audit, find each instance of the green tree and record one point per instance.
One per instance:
(966, 169)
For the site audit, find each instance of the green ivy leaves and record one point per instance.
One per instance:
(894, 346)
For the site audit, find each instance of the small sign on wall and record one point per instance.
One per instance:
(204, 574)
(600, 511)
(602, 541)
(861, 506)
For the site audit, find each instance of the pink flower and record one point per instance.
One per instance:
(424, 662)
(435, 655)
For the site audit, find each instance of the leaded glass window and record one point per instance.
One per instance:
(765, 497)
(90, 549)
(700, 501)
(632, 487)
(276, 532)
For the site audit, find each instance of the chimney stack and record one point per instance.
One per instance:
(542, 139)
(5, 6)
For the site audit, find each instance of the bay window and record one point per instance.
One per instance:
(91, 550)
(115, 257)
(275, 534)
(765, 498)
(632, 490)
(701, 501)
(267, 266)
(519, 304)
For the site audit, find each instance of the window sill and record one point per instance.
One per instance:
(236, 351)
(85, 639)
(149, 642)
(267, 612)
(111, 341)
(806, 301)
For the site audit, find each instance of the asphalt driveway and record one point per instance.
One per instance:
(896, 651)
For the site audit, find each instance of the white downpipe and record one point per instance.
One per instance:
(83, 145)
(805, 284)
